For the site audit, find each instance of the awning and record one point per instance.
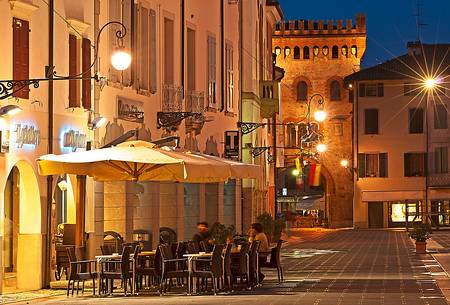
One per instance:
(392, 195)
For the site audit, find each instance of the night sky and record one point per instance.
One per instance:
(390, 23)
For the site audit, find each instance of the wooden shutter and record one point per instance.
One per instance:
(371, 121)
(383, 161)
(114, 15)
(144, 60)
(361, 165)
(21, 47)
(86, 64)
(407, 164)
(380, 90)
(153, 80)
(362, 90)
(74, 89)
(127, 11)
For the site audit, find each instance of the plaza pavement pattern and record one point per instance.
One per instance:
(326, 267)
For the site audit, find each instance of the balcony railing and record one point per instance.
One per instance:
(195, 101)
(269, 96)
(172, 99)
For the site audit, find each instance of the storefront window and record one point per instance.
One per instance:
(399, 210)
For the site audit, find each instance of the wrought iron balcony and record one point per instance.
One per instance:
(269, 96)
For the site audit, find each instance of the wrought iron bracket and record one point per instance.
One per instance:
(256, 151)
(249, 127)
(170, 119)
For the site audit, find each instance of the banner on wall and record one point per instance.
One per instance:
(130, 110)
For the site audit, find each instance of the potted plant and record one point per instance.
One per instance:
(221, 233)
(267, 222)
(420, 233)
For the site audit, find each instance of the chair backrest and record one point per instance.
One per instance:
(106, 249)
(72, 258)
(243, 259)
(181, 249)
(157, 260)
(216, 261)
(192, 247)
(227, 260)
(125, 261)
(254, 254)
(275, 254)
(203, 246)
(167, 254)
(136, 251)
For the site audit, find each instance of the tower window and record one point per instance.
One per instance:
(335, 91)
(316, 51)
(325, 50)
(335, 52)
(354, 51)
(345, 51)
(302, 91)
(306, 53)
(296, 53)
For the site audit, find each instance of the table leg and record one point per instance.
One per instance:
(190, 275)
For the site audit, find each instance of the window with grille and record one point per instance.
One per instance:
(441, 160)
(229, 77)
(371, 90)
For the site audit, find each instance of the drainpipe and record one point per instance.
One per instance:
(48, 246)
(241, 75)
(182, 5)
(222, 57)
(356, 139)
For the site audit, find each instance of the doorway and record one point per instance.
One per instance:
(375, 214)
(11, 228)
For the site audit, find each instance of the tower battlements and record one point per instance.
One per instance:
(321, 27)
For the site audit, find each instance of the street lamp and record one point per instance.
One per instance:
(430, 83)
(97, 122)
(320, 115)
(344, 163)
(321, 148)
(120, 60)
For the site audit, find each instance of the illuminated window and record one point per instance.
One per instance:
(354, 51)
(344, 51)
(316, 51)
(325, 50)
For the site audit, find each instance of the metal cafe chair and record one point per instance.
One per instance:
(122, 272)
(275, 261)
(170, 267)
(80, 271)
(212, 267)
(239, 265)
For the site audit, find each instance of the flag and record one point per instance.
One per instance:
(314, 175)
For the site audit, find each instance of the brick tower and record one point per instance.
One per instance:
(316, 56)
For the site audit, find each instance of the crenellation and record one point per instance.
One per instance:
(329, 27)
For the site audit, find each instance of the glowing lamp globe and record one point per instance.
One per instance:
(120, 59)
(295, 172)
(321, 148)
(320, 115)
(430, 83)
(344, 163)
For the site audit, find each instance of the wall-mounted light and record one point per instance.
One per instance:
(97, 122)
(9, 110)
(321, 148)
(344, 163)
(320, 115)
(121, 59)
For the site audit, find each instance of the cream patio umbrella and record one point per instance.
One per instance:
(135, 160)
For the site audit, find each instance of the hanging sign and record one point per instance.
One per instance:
(74, 139)
(232, 144)
(27, 135)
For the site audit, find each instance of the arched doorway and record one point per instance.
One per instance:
(298, 195)
(22, 239)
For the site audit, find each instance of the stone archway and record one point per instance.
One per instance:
(28, 254)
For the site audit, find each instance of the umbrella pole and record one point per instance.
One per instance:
(80, 211)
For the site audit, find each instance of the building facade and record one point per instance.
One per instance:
(316, 56)
(401, 139)
(186, 58)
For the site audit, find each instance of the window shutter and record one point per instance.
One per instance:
(380, 90)
(153, 63)
(444, 159)
(362, 90)
(85, 65)
(407, 162)
(74, 98)
(126, 20)
(361, 165)
(371, 121)
(383, 164)
(144, 60)
(114, 15)
(21, 48)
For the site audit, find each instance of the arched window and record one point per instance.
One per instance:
(277, 50)
(335, 52)
(287, 51)
(335, 91)
(325, 51)
(302, 91)
(344, 51)
(354, 50)
(296, 53)
(305, 53)
(291, 135)
(316, 51)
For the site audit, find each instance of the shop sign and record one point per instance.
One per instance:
(27, 135)
(232, 144)
(4, 141)
(130, 110)
(74, 139)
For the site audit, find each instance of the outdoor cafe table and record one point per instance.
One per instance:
(190, 260)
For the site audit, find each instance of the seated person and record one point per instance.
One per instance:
(203, 235)
(256, 233)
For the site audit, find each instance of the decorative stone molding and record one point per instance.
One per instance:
(22, 10)
(77, 27)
